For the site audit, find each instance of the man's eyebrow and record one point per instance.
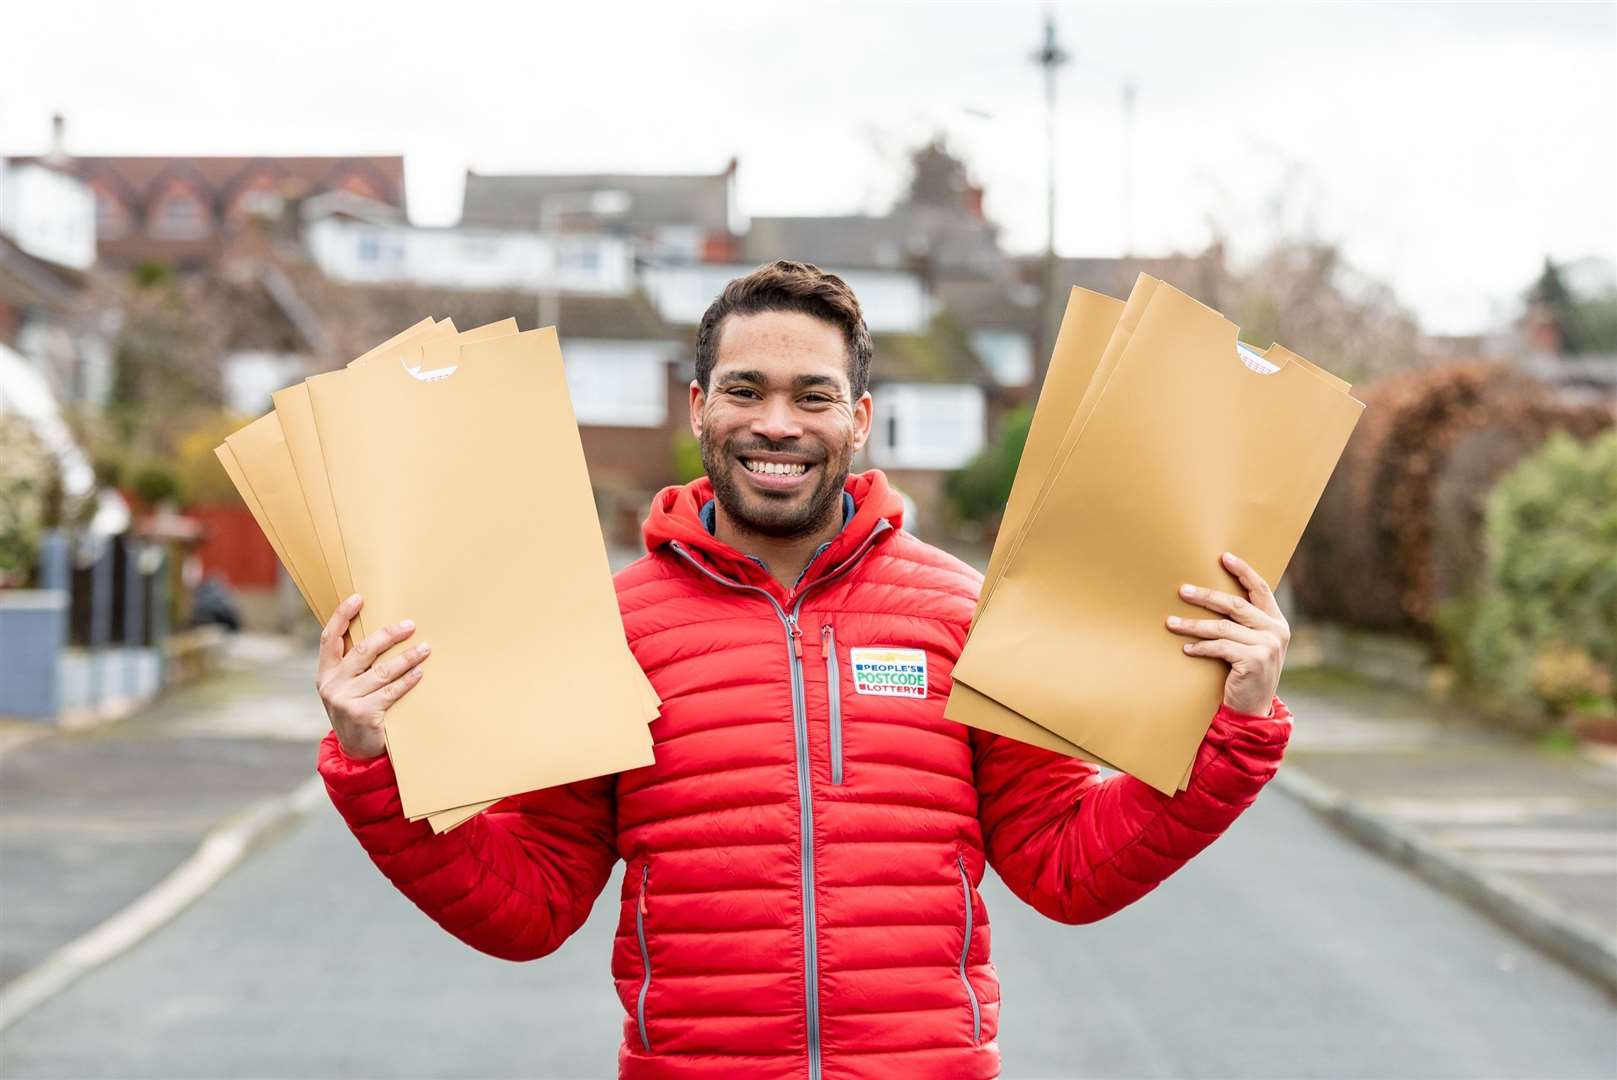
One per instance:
(815, 380)
(749, 376)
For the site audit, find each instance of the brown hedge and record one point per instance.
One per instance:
(1398, 528)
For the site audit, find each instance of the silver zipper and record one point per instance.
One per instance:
(833, 690)
(805, 798)
(645, 957)
(965, 949)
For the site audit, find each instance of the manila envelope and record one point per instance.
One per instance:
(261, 452)
(297, 424)
(524, 693)
(1085, 329)
(1185, 452)
(227, 458)
(1044, 462)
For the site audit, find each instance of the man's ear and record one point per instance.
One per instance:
(698, 400)
(861, 421)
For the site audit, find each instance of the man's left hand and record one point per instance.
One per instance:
(1252, 637)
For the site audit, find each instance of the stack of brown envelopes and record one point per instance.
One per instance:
(1159, 442)
(441, 476)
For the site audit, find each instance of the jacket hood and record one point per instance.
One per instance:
(676, 516)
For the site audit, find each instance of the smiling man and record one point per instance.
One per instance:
(802, 861)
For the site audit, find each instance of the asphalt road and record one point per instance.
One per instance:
(1283, 951)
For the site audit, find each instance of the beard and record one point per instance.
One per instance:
(780, 516)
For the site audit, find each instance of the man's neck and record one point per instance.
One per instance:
(785, 558)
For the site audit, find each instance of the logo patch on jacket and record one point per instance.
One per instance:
(884, 672)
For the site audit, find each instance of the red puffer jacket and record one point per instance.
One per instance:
(800, 898)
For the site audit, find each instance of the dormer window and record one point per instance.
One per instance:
(179, 215)
(111, 218)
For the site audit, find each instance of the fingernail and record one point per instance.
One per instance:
(352, 600)
(1173, 620)
(425, 649)
(406, 624)
(1187, 589)
(1187, 648)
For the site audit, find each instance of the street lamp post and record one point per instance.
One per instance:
(606, 203)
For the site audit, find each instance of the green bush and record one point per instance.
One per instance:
(687, 458)
(1541, 631)
(979, 491)
(154, 484)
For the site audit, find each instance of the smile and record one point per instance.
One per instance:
(775, 468)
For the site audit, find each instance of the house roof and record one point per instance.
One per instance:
(939, 354)
(1194, 274)
(513, 201)
(925, 238)
(220, 178)
(989, 304)
(359, 316)
(28, 281)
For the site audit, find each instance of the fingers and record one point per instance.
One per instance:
(1257, 588)
(361, 656)
(385, 697)
(386, 671)
(1215, 628)
(331, 637)
(1242, 611)
(1233, 652)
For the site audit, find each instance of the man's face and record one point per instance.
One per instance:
(778, 425)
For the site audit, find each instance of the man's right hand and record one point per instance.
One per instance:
(357, 691)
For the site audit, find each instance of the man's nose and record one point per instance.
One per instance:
(777, 421)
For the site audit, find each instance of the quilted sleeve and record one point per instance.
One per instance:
(513, 882)
(1078, 847)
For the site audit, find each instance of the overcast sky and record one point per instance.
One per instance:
(1448, 147)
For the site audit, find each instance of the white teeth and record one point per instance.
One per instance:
(775, 468)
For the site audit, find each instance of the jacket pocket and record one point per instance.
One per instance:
(833, 693)
(965, 951)
(645, 955)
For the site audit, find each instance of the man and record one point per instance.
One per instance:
(800, 898)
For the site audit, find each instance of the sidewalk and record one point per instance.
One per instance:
(1524, 832)
(92, 820)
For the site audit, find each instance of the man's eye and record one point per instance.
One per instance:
(816, 399)
(741, 391)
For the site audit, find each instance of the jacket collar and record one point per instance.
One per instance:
(676, 517)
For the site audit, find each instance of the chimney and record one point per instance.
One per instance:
(57, 154)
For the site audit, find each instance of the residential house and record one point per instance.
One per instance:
(48, 312)
(180, 210)
(674, 218)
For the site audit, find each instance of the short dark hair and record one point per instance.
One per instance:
(785, 285)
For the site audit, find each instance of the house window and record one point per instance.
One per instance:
(111, 219)
(180, 215)
(617, 384)
(377, 249)
(1008, 355)
(927, 426)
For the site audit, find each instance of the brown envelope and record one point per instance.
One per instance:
(458, 490)
(297, 425)
(227, 458)
(261, 452)
(1184, 453)
(1085, 329)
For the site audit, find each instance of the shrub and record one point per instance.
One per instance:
(1541, 629)
(1398, 530)
(979, 491)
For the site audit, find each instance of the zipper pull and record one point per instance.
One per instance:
(825, 636)
(797, 636)
(645, 871)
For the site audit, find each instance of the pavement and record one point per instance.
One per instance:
(1523, 830)
(94, 820)
(105, 834)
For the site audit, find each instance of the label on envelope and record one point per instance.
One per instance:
(886, 672)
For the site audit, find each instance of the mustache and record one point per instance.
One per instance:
(811, 453)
